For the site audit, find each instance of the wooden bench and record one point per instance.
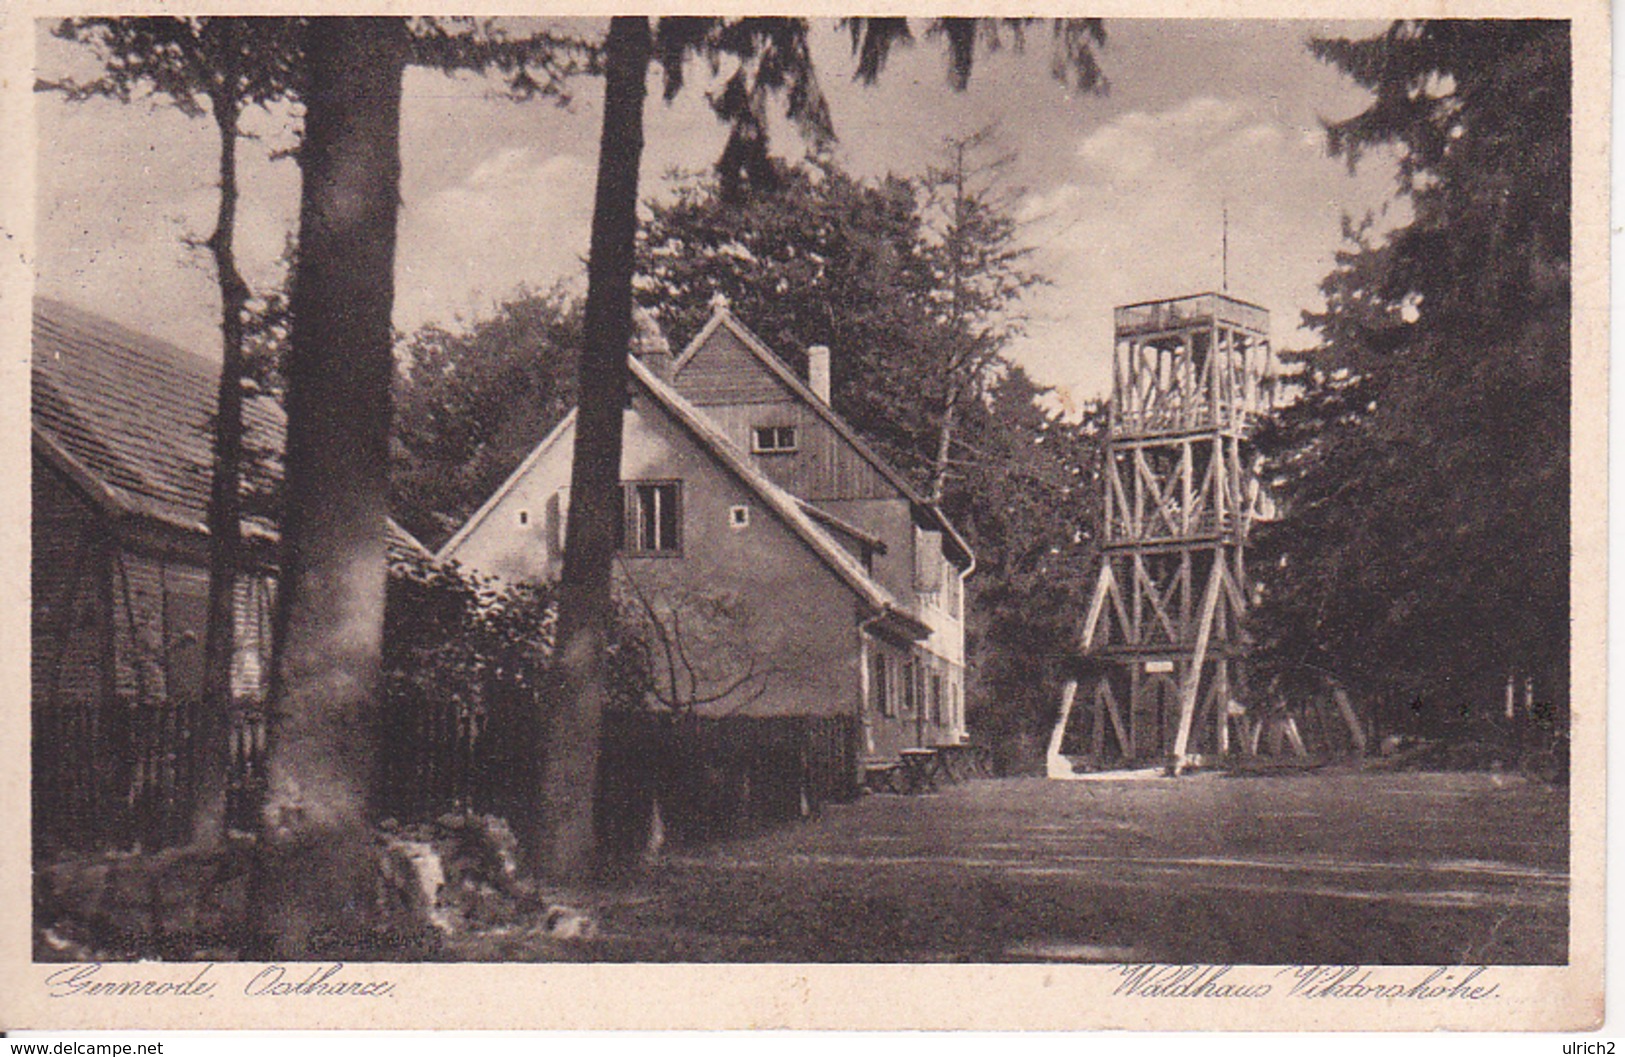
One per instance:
(883, 776)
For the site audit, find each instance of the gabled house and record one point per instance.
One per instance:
(122, 436)
(786, 568)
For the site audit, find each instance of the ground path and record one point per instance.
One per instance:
(1349, 867)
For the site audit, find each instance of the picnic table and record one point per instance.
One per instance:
(921, 769)
(881, 776)
(962, 760)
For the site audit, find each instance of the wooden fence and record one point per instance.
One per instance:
(113, 773)
(119, 776)
(711, 776)
(715, 777)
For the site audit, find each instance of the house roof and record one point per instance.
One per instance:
(476, 519)
(711, 439)
(841, 526)
(130, 418)
(722, 317)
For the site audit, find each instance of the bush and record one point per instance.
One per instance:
(467, 676)
(466, 662)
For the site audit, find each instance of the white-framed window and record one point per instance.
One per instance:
(739, 517)
(880, 694)
(653, 524)
(772, 440)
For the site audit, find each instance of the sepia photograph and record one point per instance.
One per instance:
(945, 496)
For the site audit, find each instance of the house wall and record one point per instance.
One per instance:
(902, 710)
(757, 593)
(520, 539)
(724, 371)
(942, 653)
(738, 392)
(890, 520)
(117, 636)
(823, 466)
(899, 572)
(70, 612)
(750, 601)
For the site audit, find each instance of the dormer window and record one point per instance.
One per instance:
(772, 440)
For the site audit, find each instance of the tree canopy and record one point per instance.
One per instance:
(1423, 470)
(470, 404)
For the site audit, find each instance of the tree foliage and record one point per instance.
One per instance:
(820, 259)
(470, 404)
(1074, 41)
(1423, 470)
(1024, 488)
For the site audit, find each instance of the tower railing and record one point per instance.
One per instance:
(1150, 317)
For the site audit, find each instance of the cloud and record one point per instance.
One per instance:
(1139, 215)
(1137, 145)
(518, 218)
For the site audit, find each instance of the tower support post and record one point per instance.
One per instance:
(1179, 500)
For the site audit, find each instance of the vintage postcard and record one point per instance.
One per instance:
(568, 519)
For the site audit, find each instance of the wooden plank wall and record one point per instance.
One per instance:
(724, 371)
(69, 649)
(738, 392)
(823, 466)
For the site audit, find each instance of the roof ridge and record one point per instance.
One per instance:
(92, 322)
(722, 316)
(785, 503)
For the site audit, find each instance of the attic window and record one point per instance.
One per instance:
(524, 517)
(738, 516)
(773, 439)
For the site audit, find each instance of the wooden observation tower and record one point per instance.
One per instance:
(1163, 626)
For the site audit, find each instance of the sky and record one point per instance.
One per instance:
(1120, 196)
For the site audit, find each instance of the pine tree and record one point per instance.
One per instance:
(1423, 552)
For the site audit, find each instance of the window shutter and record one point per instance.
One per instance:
(671, 516)
(629, 517)
(558, 513)
(927, 561)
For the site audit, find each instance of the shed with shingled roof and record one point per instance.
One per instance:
(122, 434)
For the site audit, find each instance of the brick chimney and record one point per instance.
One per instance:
(650, 345)
(818, 371)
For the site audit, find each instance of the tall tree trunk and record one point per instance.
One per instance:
(210, 731)
(954, 360)
(562, 840)
(945, 440)
(315, 884)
